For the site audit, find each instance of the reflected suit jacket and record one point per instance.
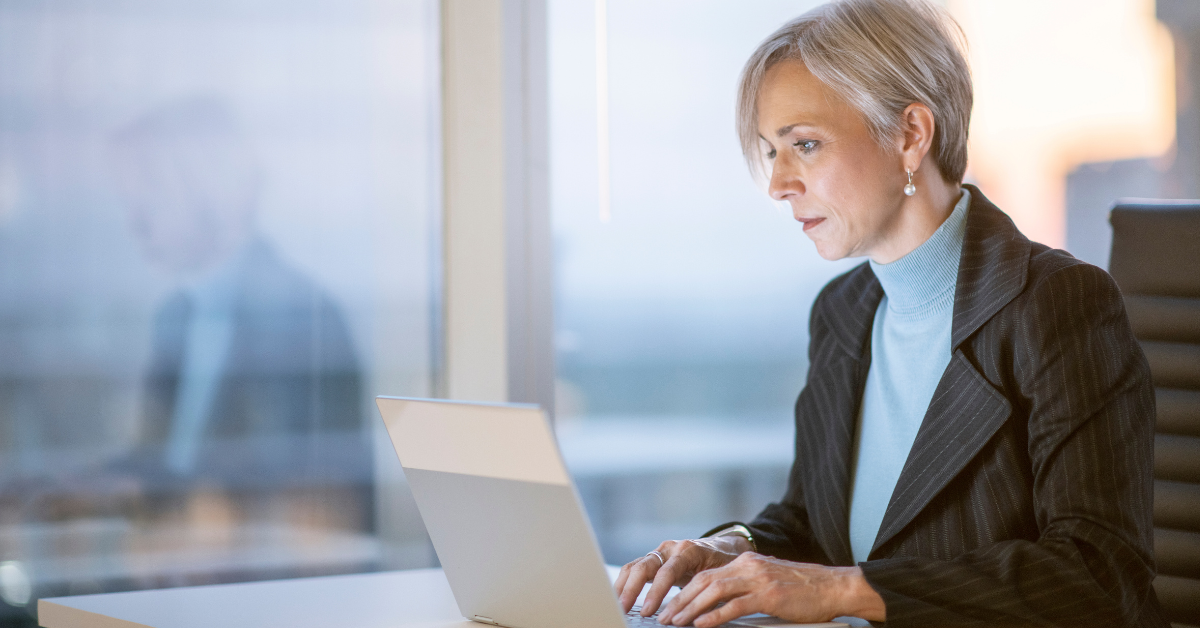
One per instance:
(286, 410)
(1026, 498)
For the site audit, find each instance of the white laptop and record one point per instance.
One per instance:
(504, 516)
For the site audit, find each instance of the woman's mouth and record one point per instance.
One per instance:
(809, 223)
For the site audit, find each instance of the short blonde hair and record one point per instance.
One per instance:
(880, 56)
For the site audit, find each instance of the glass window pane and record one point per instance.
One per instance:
(215, 246)
(682, 322)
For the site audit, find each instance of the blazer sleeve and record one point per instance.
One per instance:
(1085, 385)
(782, 530)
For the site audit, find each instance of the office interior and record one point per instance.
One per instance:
(225, 226)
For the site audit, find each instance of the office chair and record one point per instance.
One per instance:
(1156, 262)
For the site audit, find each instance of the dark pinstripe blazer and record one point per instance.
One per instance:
(1026, 498)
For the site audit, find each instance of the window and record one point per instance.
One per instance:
(682, 321)
(217, 228)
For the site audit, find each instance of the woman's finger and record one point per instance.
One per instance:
(685, 596)
(712, 592)
(667, 576)
(641, 572)
(619, 585)
(727, 612)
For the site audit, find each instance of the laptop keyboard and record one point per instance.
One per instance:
(634, 619)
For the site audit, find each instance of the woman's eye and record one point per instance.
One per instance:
(806, 146)
(771, 154)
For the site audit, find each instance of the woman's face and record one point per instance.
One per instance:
(844, 188)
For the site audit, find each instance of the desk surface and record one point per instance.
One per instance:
(392, 599)
(375, 600)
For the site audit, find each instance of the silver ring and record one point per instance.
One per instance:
(658, 556)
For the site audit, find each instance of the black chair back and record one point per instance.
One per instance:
(1156, 262)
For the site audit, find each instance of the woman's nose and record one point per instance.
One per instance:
(785, 181)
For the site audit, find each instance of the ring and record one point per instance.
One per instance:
(658, 556)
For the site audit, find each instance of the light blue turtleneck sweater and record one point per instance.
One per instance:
(910, 349)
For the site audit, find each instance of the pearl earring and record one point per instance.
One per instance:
(909, 189)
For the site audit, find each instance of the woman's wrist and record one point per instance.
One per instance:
(859, 598)
(736, 529)
(733, 545)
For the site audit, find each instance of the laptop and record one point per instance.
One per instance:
(504, 515)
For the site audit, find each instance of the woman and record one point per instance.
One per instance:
(974, 441)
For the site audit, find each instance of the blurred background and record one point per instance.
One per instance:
(219, 234)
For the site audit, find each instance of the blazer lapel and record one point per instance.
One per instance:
(964, 413)
(991, 270)
(965, 410)
(829, 407)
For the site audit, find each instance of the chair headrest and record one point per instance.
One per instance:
(1156, 247)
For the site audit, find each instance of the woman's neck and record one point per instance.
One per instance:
(920, 216)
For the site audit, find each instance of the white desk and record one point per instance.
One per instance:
(390, 599)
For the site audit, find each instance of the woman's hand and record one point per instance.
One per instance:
(754, 583)
(680, 561)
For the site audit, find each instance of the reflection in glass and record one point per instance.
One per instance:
(253, 386)
(215, 227)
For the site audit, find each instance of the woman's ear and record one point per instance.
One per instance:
(918, 128)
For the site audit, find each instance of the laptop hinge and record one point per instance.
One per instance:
(486, 620)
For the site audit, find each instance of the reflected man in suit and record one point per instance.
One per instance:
(253, 386)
